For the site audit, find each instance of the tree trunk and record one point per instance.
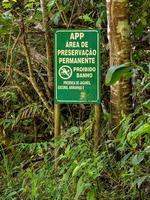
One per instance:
(118, 33)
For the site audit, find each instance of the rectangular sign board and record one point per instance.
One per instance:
(77, 66)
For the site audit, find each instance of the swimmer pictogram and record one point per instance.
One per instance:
(65, 72)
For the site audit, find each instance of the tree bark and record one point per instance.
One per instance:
(118, 33)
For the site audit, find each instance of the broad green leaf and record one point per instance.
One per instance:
(147, 104)
(116, 72)
(7, 5)
(132, 136)
(7, 16)
(5, 22)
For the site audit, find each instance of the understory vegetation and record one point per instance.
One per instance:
(119, 169)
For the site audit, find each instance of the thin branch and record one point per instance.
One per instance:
(72, 14)
(35, 55)
(44, 83)
(30, 69)
(14, 70)
(48, 43)
(16, 85)
(8, 50)
(62, 14)
(12, 49)
(22, 92)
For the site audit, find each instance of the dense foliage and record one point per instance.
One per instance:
(120, 167)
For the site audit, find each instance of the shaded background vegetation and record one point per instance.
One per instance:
(120, 167)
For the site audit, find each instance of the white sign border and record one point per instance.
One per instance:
(98, 68)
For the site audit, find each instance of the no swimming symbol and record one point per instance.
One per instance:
(65, 72)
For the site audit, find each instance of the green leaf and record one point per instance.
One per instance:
(7, 15)
(98, 22)
(73, 130)
(51, 4)
(147, 86)
(125, 158)
(91, 195)
(75, 171)
(56, 18)
(86, 18)
(143, 21)
(6, 4)
(78, 168)
(132, 136)
(116, 72)
(137, 159)
(146, 104)
(11, 194)
(140, 180)
(67, 151)
(80, 188)
(29, 5)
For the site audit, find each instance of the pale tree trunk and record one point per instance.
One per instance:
(118, 33)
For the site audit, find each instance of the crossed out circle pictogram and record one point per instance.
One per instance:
(65, 72)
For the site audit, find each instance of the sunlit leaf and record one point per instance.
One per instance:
(132, 136)
(139, 181)
(91, 195)
(114, 73)
(80, 188)
(137, 159)
(147, 104)
(51, 4)
(87, 18)
(78, 168)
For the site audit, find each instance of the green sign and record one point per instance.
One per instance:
(77, 66)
